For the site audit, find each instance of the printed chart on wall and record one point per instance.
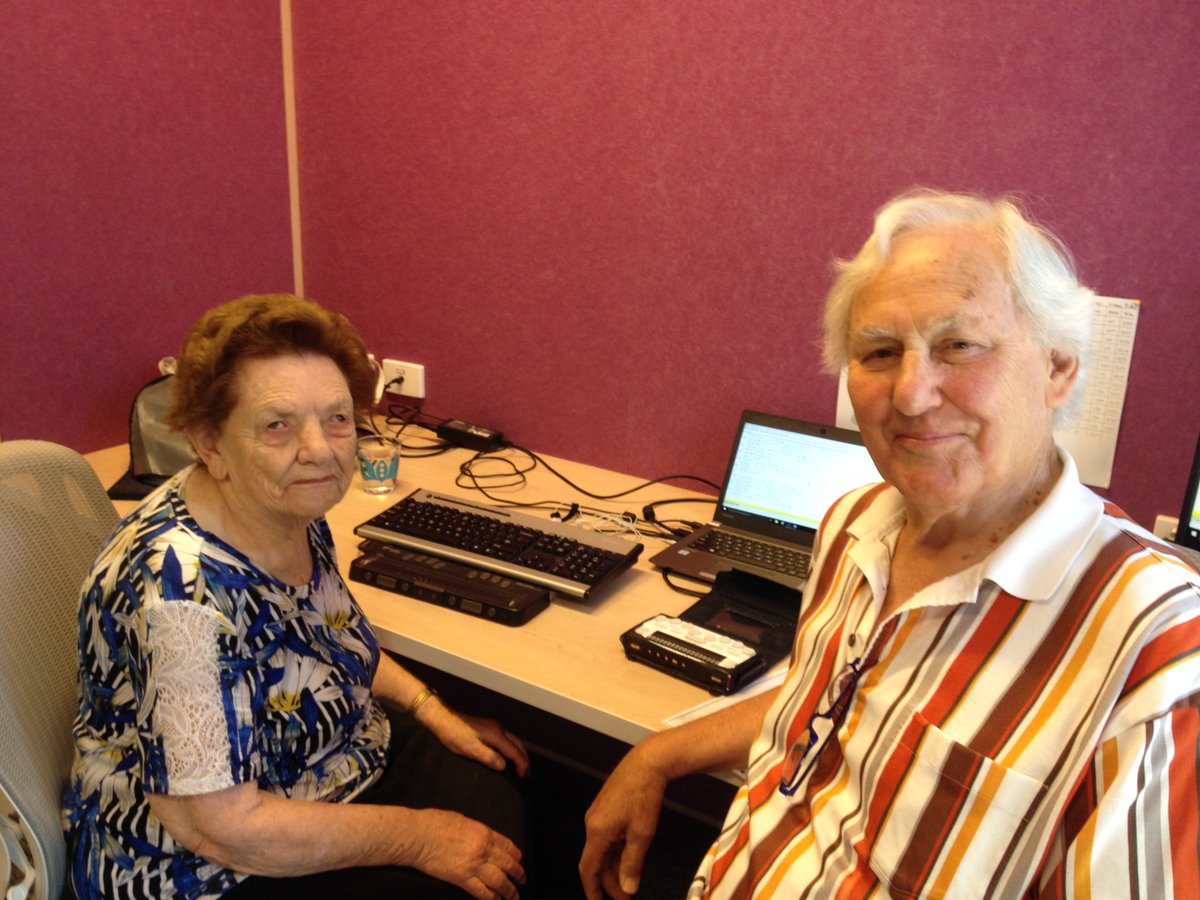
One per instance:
(1092, 437)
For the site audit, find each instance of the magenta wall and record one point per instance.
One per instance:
(606, 227)
(145, 179)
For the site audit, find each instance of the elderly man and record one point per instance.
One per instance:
(995, 680)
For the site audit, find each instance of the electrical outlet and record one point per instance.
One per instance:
(412, 377)
(1165, 526)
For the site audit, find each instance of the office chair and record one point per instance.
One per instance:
(54, 515)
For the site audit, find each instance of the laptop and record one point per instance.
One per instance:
(783, 476)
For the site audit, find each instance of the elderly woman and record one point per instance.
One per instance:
(994, 686)
(233, 738)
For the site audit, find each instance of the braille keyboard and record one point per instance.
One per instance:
(569, 560)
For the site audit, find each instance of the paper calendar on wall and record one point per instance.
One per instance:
(1092, 437)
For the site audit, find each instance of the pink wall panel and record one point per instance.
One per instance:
(145, 179)
(607, 227)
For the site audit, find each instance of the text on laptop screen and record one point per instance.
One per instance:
(793, 478)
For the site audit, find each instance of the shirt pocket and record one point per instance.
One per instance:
(952, 819)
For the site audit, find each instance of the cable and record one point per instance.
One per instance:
(666, 575)
(506, 467)
(401, 418)
(471, 480)
(619, 494)
(649, 515)
(608, 523)
(511, 474)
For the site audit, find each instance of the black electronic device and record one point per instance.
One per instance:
(710, 659)
(473, 437)
(1187, 533)
(572, 562)
(445, 582)
(724, 640)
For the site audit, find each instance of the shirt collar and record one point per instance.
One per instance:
(873, 538)
(1031, 563)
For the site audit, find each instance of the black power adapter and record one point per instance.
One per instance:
(473, 437)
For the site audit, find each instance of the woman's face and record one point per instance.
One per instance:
(288, 447)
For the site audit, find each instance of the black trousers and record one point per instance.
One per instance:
(421, 774)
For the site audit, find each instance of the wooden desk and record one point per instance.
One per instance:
(568, 660)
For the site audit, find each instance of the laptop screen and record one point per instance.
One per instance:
(1187, 532)
(790, 472)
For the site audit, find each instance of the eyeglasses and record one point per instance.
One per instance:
(821, 726)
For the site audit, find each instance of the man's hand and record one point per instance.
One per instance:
(620, 826)
(624, 816)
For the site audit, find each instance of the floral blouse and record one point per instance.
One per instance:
(198, 671)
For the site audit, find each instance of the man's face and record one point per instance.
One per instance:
(954, 397)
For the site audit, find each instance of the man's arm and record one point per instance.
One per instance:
(1131, 829)
(624, 816)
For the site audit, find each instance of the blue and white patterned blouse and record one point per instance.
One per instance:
(198, 672)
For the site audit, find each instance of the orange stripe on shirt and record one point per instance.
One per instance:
(1002, 613)
(1185, 796)
(1170, 648)
(973, 819)
(722, 863)
(1081, 659)
(945, 807)
(796, 851)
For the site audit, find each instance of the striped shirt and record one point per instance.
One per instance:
(1025, 727)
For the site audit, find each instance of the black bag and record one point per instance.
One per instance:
(156, 451)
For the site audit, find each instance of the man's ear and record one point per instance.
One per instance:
(206, 442)
(1064, 372)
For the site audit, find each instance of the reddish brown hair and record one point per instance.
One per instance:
(261, 326)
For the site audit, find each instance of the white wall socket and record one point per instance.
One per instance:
(412, 375)
(1165, 526)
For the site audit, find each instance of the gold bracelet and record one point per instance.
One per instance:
(420, 700)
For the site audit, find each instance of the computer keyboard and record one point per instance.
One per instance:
(760, 553)
(564, 558)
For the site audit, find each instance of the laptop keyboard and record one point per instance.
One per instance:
(759, 553)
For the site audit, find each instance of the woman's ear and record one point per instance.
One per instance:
(1064, 372)
(206, 442)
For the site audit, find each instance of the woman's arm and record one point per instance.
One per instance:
(250, 830)
(479, 739)
(394, 684)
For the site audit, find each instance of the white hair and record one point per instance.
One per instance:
(1057, 308)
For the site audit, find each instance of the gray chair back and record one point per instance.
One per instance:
(54, 515)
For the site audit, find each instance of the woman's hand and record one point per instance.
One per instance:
(479, 739)
(467, 853)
